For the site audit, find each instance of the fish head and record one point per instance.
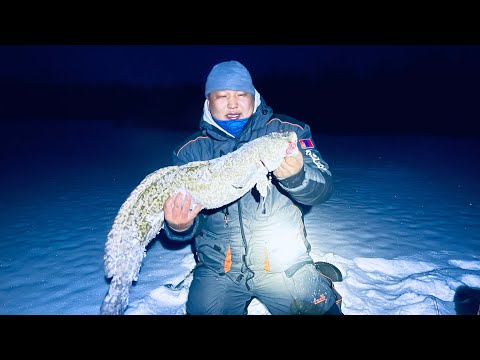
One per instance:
(277, 145)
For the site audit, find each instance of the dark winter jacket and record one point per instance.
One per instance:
(246, 236)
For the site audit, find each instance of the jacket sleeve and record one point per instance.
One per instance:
(197, 225)
(187, 234)
(314, 183)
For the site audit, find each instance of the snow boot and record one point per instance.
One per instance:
(329, 270)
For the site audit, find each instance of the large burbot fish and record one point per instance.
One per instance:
(212, 183)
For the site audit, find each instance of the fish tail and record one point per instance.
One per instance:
(116, 300)
(123, 259)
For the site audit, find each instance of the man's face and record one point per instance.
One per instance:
(231, 104)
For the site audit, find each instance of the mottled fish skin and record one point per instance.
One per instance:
(213, 183)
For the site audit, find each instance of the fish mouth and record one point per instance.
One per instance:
(292, 148)
(292, 145)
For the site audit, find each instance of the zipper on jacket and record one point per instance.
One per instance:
(263, 198)
(225, 216)
(244, 240)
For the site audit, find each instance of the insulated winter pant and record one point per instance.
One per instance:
(301, 290)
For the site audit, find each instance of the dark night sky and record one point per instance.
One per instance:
(358, 87)
(173, 64)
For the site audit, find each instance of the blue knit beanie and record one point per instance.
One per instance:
(229, 75)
